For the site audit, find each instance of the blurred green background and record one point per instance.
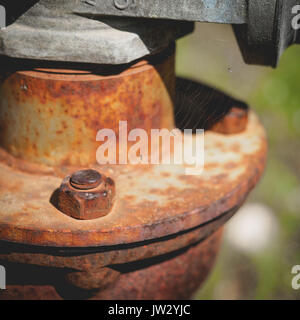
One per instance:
(262, 242)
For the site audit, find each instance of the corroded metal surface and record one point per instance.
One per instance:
(172, 276)
(162, 235)
(175, 278)
(52, 116)
(234, 121)
(151, 201)
(95, 258)
(86, 179)
(91, 197)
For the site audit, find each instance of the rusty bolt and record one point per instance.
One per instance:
(235, 121)
(86, 195)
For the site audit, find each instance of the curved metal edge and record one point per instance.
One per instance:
(44, 33)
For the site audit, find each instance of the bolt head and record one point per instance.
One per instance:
(86, 195)
(85, 179)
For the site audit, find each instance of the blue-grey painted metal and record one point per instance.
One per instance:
(2, 17)
(268, 31)
(2, 278)
(51, 31)
(107, 31)
(220, 11)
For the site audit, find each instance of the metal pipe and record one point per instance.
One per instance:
(52, 116)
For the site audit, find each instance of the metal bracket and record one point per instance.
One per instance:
(232, 12)
(268, 31)
(107, 31)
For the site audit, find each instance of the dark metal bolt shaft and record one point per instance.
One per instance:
(85, 179)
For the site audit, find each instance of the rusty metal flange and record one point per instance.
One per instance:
(152, 201)
(163, 225)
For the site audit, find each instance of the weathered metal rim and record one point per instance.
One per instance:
(109, 255)
(127, 224)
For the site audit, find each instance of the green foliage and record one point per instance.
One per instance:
(276, 98)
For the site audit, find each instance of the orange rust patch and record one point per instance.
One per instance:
(148, 204)
(79, 105)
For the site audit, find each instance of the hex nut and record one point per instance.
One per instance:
(235, 121)
(77, 200)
